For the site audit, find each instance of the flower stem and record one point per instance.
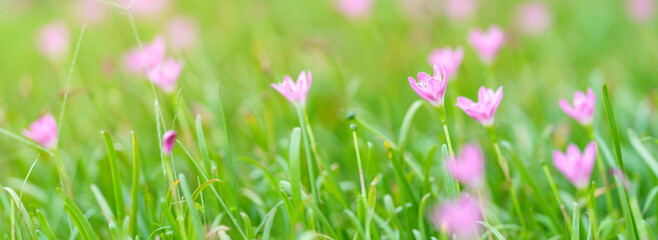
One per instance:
(358, 159)
(551, 183)
(442, 113)
(503, 165)
(307, 151)
(599, 165)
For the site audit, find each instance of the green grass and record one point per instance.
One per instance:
(364, 159)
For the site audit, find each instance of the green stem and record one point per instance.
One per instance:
(307, 151)
(444, 122)
(503, 165)
(601, 168)
(556, 194)
(358, 160)
(591, 206)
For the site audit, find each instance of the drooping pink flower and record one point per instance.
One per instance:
(146, 8)
(432, 89)
(641, 10)
(468, 167)
(151, 56)
(168, 139)
(295, 92)
(460, 9)
(43, 131)
(182, 32)
(447, 57)
(355, 8)
(166, 74)
(53, 40)
(575, 166)
(484, 110)
(89, 11)
(459, 217)
(487, 43)
(534, 18)
(583, 107)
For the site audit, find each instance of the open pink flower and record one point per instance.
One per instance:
(183, 32)
(53, 40)
(534, 18)
(575, 166)
(168, 140)
(432, 89)
(151, 56)
(295, 92)
(43, 131)
(487, 43)
(460, 9)
(641, 10)
(583, 107)
(166, 74)
(459, 217)
(468, 167)
(355, 8)
(447, 57)
(484, 110)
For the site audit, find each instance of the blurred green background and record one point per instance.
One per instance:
(358, 65)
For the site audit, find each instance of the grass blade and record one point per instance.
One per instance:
(45, 226)
(77, 216)
(134, 193)
(294, 162)
(116, 177)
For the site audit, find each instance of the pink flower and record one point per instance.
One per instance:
(53, 40)
(534, 18)
(641, 10)
(576, 167)
(487, 43)
(146, 8)
(43, 131)
(460, 9)
(166, 74)
(432, 89)
(447, 57)
(483, 110)
(182, 32)
(355, 8)
(151, 56)
(583, 107)
(89, 11)
(468, 167)
(295, 92)
(168, 139)
(459, 217)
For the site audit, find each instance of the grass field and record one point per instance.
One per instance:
(88, 90)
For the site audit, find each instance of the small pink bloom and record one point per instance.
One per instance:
(641, 10)
(90, 12)
(146, 8)
(487, 43)
(468, 167)
(43, 131)
(355, 8)
(485, 109)
(460, 9)
(53, 40)
(168, 139)
(166, 74)
(295, 92)
(151, 56)
(182, 32)
(447, 57)
(575, 166)
(459, 217)
(534, 18)
(432, 89)
(583, 107)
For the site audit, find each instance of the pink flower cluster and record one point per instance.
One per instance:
(152, 62)
(483, 111)
(459, 217)
(575, 166)
(432, 89)
(43, 131)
